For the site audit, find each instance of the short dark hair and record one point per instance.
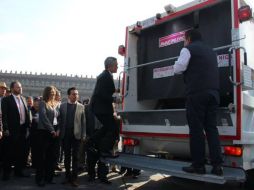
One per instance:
(109, 61)
(70, 89)
(36, 99)
(193, 34)
(13, 83)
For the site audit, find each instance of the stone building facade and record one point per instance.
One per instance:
(33, 83)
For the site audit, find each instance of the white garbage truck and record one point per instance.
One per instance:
(154, 124)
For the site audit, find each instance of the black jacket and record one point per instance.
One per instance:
(102, 99)
(202, 73)
(11, 118)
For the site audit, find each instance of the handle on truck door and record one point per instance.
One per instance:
(244, 54)
(245, 58)
(119, 83)
(230, 52)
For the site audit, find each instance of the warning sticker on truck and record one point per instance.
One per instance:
(163, 72)
(171, 39)
(223, 60)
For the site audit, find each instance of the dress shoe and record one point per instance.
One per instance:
(105, 181)
(66, 181)
(134, 176)
(93, 150)
(127, 174)
(114, 169)
(121, 172)
(194, 169)
(21, 175)
(58, 168)
(28, 165)
(91, 179)
(81, 169)
(51, 182)
(75, 183)
(57, 174)
(108, 155)
(40, 183)
(6, 177)
(217, 170)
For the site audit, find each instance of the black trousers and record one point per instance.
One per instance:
(93, 158)
(1, 154)
(201, 115)
(34, 147)
(104, 140)
(106, 136)
(27, 148)
(47, 155)
(14, 152)
(71, 149)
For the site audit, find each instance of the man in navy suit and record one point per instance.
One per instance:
(101, 104)
(16, 121)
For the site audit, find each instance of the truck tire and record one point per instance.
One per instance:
(249, 183)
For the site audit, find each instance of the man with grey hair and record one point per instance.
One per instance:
(101, 105)
(110, 61)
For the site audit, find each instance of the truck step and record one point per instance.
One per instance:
(174, 168)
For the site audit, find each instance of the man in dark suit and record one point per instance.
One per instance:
(101, 104)
(102, 107)
(16, 121)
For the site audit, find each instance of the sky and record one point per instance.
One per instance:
(68, 36)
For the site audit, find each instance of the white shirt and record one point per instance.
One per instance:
(182, 62)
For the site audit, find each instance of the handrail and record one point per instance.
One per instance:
(230, 52)
(172, 58)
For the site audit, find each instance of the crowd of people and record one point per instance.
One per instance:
(40, 131)
(43, 125)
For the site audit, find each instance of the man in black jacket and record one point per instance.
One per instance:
(102, 107)
(16, 121)
(101, 104)
(198, 63)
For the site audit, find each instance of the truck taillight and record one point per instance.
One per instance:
(244, 13)
(130, 142)
(233, 151)
(121, 50)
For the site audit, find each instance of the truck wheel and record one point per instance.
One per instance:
(249, 183)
